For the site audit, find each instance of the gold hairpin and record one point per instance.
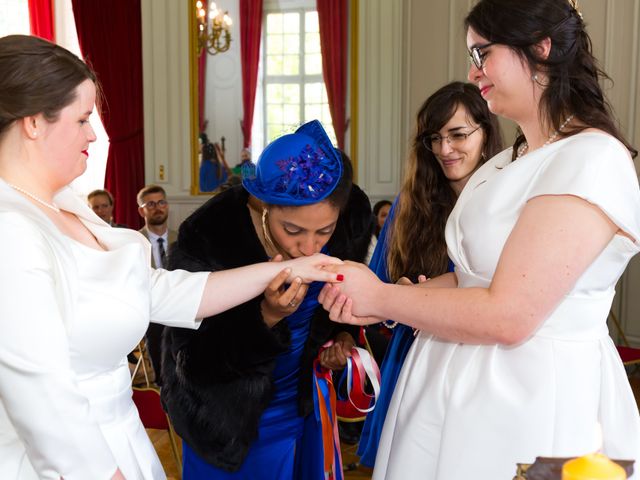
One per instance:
(574, 5)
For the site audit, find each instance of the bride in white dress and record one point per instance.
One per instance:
(516, 362)
(77, 295)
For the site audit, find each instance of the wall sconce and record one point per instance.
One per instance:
(214, 32)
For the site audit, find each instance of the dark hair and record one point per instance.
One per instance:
(147, 190)
(106, 193)
(378, 206)
(37, 77)
(340, 196)
(572, 72)
(416, 239)
(209, 153)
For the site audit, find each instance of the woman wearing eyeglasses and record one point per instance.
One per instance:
(513, 358)
(455, 133)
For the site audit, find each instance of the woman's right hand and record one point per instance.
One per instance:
(279, 300)
(311, 269)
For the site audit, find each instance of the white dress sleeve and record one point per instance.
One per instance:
(37, 384)
(176, 296)
(599, 169)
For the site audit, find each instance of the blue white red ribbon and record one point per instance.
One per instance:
(360, 367)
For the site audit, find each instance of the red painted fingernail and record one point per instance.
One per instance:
(340, 277)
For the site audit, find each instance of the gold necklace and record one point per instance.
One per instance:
(52, 206)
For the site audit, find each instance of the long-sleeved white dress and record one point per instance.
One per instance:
(69, 314)
(463, 411)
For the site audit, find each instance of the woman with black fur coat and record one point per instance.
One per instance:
(240, 392)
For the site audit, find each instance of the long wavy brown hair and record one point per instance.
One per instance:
(416, 236)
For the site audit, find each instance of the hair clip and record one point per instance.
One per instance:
(574, 5)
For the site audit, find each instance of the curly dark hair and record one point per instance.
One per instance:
(572, 72)
(416, 237)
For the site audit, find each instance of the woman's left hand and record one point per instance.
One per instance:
(340, 307)
(335, 357)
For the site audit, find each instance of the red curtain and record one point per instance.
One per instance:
(202, 80)
(250, 33)
(41, 19)
(332, 18)
(110, 35)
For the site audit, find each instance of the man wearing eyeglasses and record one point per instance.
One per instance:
(154, 208)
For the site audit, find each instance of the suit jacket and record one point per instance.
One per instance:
(217, 383)
(173, 236)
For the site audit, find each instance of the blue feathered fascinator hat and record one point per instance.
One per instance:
(297, 169)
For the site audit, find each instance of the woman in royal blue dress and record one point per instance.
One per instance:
(455, 134)
(240, 393)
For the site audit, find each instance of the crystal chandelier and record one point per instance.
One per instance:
(214, 29)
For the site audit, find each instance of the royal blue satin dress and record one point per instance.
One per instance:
(401, 340)
(289, 447)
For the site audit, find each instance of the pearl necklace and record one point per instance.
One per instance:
(52, 206)
(522, 149)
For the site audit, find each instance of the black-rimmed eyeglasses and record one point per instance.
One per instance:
(152, 204)
(476, 56)
(433, 142)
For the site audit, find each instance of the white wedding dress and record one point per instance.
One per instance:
(69, 314)
(462, 411)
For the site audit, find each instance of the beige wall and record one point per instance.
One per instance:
(408, 48)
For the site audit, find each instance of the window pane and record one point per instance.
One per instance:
(291, 22)
(313, 92)
(312, 112)
(292, 43)
(311, 22)
(292, 114)
(274, 114)
(326, 113)
(313, 64)
(274, 23)
(328, 126)
(274, 131)
(274, 65)
(288, 43)
(291, 65)
(312, 43)
(274, 44)
(290, 127)
(274, 93)
(292, 93)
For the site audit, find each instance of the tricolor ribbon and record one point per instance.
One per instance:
(328, 407)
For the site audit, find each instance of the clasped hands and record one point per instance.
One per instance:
(349, 295)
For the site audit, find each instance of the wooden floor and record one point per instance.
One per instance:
(160, 440)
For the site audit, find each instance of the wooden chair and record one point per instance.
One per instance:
(142, 362)
(149, 406)
(630, 356)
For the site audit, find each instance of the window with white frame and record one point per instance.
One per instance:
(293, 87)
